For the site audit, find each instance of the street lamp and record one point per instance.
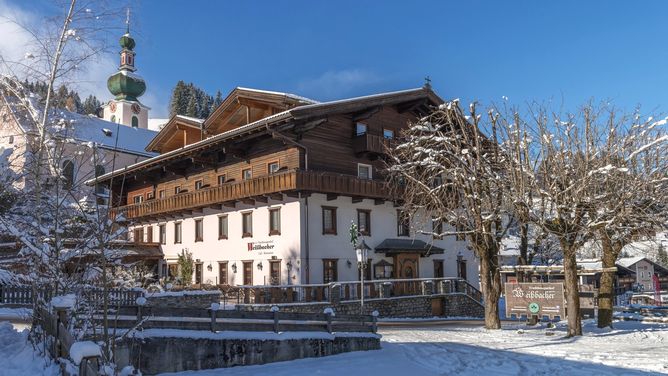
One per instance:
(362, 251)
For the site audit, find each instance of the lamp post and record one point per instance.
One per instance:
(362, 252)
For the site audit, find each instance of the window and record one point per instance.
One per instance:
(68, 174)
(247, 225)
(275, 272)
(198, 184)
(222, 227)
(329, 270)
(135, 122)
(162, 229)
(161, 193)
(177, 189)
(138, 234)
(460, 228)
(222, 273)
(383, 270)
(388, 133)
(275, 221)
(221, 179)
(138, 199)
(438, 269)
(363, 171)
(11, 139)
(360, 129)
(149, 234)
(248, 273)
(272, 167)
(364, 221)
(199, 230)
(247, 174)
(329, 220)
(436, 228)
(150, 195)
(461, 267)
(113, 118)
(177, 233)
(99, 188)
(403, 223)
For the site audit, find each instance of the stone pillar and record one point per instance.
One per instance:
(385, 289)
(335, 293)
(446, 286)
(427, 287)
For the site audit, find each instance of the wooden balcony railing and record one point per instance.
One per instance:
(368, 143)
(290, 181)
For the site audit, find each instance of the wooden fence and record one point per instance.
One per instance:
(231, 320)
(24, 296)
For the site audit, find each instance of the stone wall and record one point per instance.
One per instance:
(181, 299)
(157, 355)
(450, 305)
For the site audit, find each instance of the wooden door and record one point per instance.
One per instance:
(248, 273)
(198, 274)
(407, 266)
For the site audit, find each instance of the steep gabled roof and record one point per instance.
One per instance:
(420, 95)
(170, 128)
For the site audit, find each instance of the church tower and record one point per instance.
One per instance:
(126, 86)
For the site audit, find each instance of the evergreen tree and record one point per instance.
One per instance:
(662, 256)
(191, 108)
(216, 101)
(190, 100)
(90, 105)
(178, 102)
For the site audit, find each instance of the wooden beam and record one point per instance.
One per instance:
(262, 199)
(216, 207)
(409, 106)
(378, 201)
(275, 196)
(366, 113)
(357, 199)
(248, 201)
(230, 204)
(332, 196)
(305, 127)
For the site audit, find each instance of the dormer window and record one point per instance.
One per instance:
(360, 129)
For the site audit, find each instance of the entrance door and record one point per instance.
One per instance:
(248, 273)
(275, 272)
(198, 274)
(407, 266)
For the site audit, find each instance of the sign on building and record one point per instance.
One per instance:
(535, 299)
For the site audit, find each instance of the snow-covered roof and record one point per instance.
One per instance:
(289, 95)
(190, 118)
(510, 246)
(647, 248)
(108, 135)
(627, 262)
(156, 124)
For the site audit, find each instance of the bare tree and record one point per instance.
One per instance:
(445, 167)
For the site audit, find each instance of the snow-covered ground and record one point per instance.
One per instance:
(18, 357)
(456, 348)
(632, 348)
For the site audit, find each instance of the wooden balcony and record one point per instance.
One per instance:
(258, 189)
(368, 143)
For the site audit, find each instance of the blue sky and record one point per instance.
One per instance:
(565, 51)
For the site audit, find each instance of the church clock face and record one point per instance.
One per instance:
(136, 108)
(112, 106)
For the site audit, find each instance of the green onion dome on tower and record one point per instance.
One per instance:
(125, 84)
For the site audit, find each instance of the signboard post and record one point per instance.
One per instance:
(535, 299)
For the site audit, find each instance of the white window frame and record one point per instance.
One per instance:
(370, 171)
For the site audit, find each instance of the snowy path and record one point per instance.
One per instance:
(17, 356)
(631, 349)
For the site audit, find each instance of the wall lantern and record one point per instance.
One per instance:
(234, 267)
(259, 265)
(209, 267)
(289, 265)
(349, 263)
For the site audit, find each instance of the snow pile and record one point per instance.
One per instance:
(63, 301)
(19, 357)
(84, 349)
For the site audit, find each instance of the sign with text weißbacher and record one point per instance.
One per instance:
(535, 299)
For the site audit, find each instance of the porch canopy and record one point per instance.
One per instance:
(394, 246)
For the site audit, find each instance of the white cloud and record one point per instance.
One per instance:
(92, 76)
(335, 84)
